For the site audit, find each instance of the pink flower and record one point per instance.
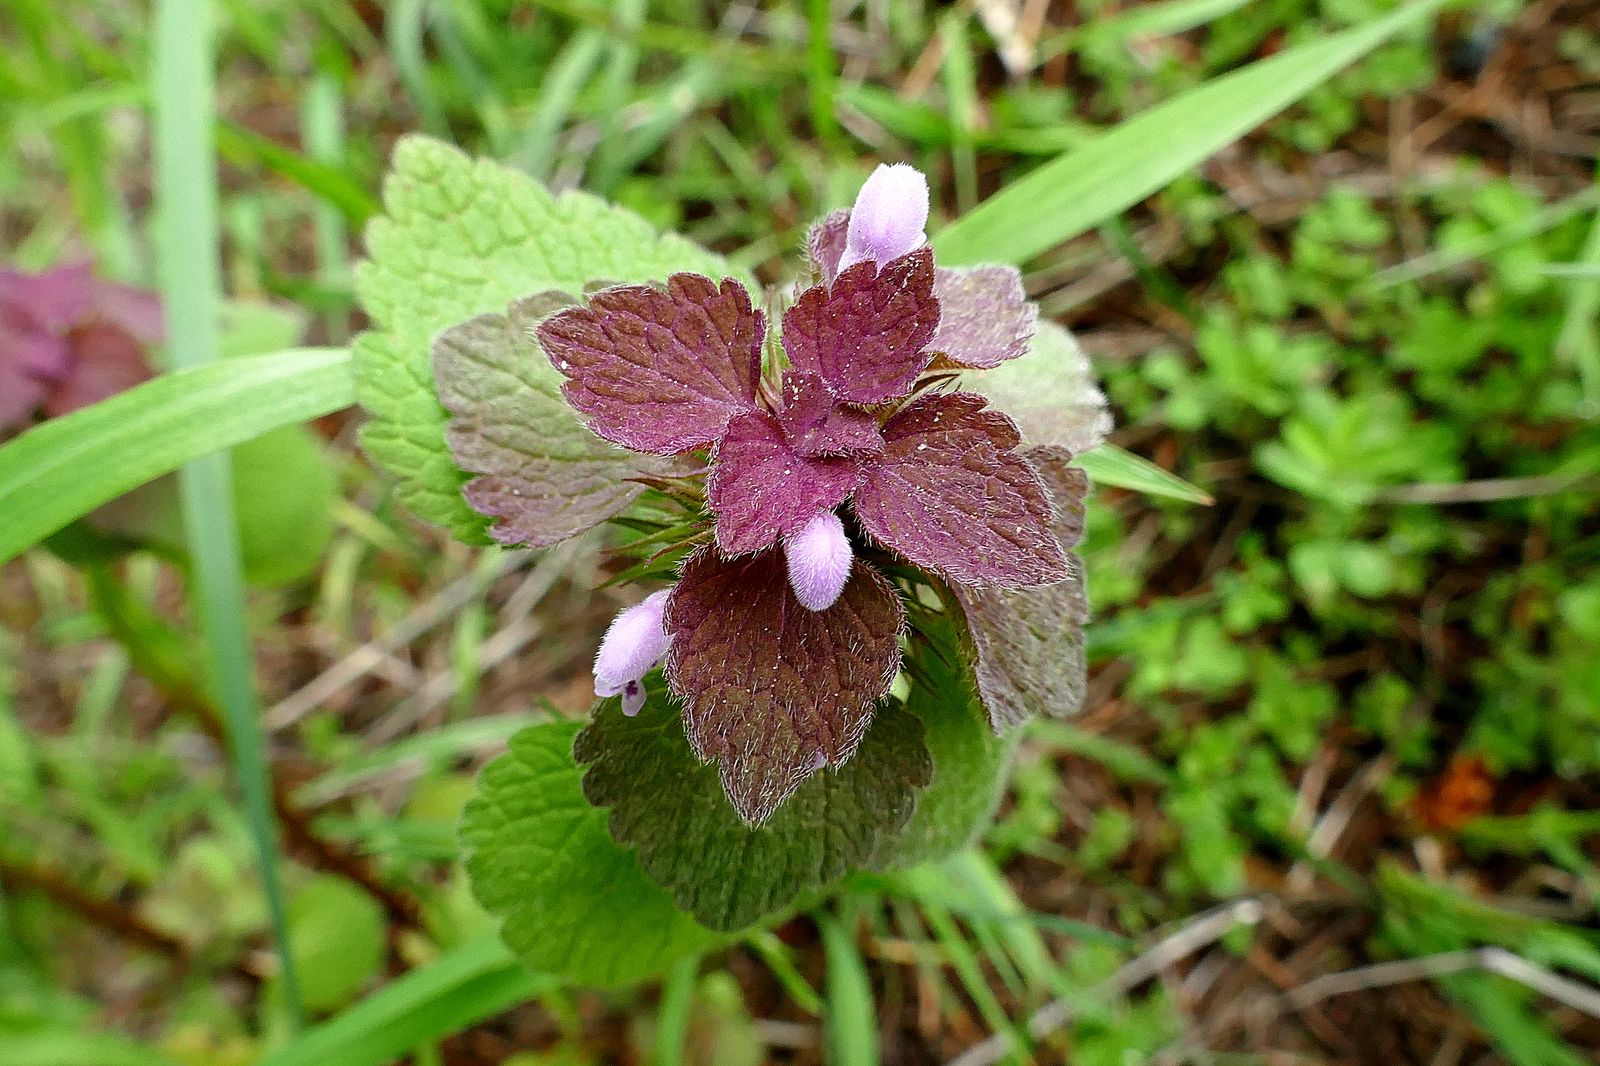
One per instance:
(634, 645)
(889, 217)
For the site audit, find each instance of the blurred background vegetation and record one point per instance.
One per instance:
(1355, 703)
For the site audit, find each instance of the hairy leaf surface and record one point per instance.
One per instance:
(462, 237)
(543, 476)
(985, 318)
(573, 902)
(950, 494)
(660, 370)
(1028, 643)
(815, 424)
(866, 335)
(760, 488)
(1049, 391)
(825, 242)
(773, 691)
(671, 808)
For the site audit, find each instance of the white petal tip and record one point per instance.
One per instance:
(889, 217)
(819, 559)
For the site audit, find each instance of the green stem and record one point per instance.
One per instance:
(191, 285)
(672, 1021)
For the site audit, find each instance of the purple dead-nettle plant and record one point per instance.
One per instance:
(69, 339)
(848, 457)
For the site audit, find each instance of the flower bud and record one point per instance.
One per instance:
(633, 646)
(888, 218)
(819, 559)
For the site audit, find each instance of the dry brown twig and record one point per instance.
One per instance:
(1498, 961)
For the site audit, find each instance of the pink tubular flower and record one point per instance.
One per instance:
(634, 645)
(818, 557)
(889, 218)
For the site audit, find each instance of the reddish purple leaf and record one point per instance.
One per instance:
(867, 334)
(984, 316)
(771, 690)
(826, 243)
(542, 475)
(951, 494)
(1068, 486)
(815, 423)
(1028, 643)
(660, 370)
(761, 488)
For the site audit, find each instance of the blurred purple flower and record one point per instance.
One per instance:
(69, 339)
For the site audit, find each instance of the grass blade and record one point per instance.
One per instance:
(1579, 339)
(822, 75)
(672, 1020)
(1111, 465)
(62, 469)
(558, 93)
(57, 1048)
(851, 1027)
(246, 148)
(461, 987)
(1079, 190)
(191, 286)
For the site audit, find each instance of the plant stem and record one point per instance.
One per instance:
(191, 286)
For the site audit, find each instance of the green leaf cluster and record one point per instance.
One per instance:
(461, 237)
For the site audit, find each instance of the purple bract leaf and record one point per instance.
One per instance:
(760, 488)
(543, 475)
(1068, 486)
(825, 243)
(866, 335)
(950, 494)
(660, 370)
(1028, 647)
(815, 424)
(984, 316)
(771, 690)
(1028, 643)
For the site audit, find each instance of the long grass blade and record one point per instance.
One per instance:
(851, 1027)
(62, 469)
(672, 1020)
(1579, 339)
(191, 285)
(1081, 189)
(1111, 465)
(463, 986)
